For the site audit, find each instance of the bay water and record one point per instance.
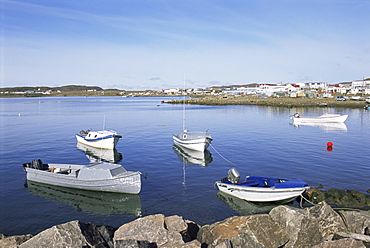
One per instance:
(257, 140)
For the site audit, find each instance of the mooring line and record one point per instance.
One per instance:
(146, 177)
(306, 200)
(220, 154)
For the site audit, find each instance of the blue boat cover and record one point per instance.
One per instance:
(254, 181)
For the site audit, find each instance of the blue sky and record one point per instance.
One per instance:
(154, 44)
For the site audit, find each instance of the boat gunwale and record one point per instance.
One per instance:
(260, 189)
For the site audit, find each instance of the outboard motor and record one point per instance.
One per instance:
(37, 164)
(233, 175)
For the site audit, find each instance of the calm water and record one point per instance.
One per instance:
(256, 140)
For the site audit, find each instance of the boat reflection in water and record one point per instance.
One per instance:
(109, 155)
(327, 127)
(100, 203)
(244, 207)
(202, 158)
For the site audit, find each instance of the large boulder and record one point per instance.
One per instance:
(356, 221)
(300, 226)
(13, 241)
(244, 231)
(156, 230)
(330, 221)
(308, 226)
(70, 234)
(342, 243)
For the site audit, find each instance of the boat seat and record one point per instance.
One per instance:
(252, 183)
(66, 171)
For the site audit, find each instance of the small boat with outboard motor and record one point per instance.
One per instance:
(105, 139)
(261, 189)
(105, 177)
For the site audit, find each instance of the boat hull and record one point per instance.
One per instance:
(321, 119)
(260, 194)
(128, 182)
(107, 142)
(197, 142)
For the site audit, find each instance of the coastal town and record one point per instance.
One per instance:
(355, 90)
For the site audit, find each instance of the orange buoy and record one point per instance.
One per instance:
(329, 144)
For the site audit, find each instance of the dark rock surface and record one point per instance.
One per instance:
(339, 197)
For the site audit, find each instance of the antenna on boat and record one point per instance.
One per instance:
(183, 106)
(104, 123)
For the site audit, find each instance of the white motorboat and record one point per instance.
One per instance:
(198, 141)
(261, 189)
(322, 118)
(105, 177)
(100, 139)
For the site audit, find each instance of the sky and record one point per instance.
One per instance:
(162, 44)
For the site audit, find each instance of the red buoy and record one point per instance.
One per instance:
(329, 144)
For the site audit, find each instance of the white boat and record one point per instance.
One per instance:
(100, 139)
(322, 118)
(198, 141)
(105, 177)
(261, 189)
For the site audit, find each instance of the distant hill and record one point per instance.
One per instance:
(67, 88)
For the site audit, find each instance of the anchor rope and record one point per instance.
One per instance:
(302, 197)
(146, 177)
(220, 154)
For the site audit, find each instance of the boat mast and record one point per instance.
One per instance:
(183, 107)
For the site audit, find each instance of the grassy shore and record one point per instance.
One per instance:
(270, 101)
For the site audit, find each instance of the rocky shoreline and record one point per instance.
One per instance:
(286, 102)
(319, 226)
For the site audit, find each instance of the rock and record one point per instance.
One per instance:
(330, 221)
(157, 229)
(224, 244)
(308, 226)
(356, 221)
(343, 243)
(13, 241)
(244, 231)
(338, 197)
(130, 243)
(107, 232)
(363, 238)
(70, 234)
(300, 226)
(192, 244)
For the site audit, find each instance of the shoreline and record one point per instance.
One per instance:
(270, 101)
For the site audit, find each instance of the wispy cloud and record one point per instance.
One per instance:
(152, 44)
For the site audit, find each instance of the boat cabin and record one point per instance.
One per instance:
(99, 171)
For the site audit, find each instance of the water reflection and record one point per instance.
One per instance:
(244, 207)
(94, 154)
(193, 157)
(327, 127)
(101, 203)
